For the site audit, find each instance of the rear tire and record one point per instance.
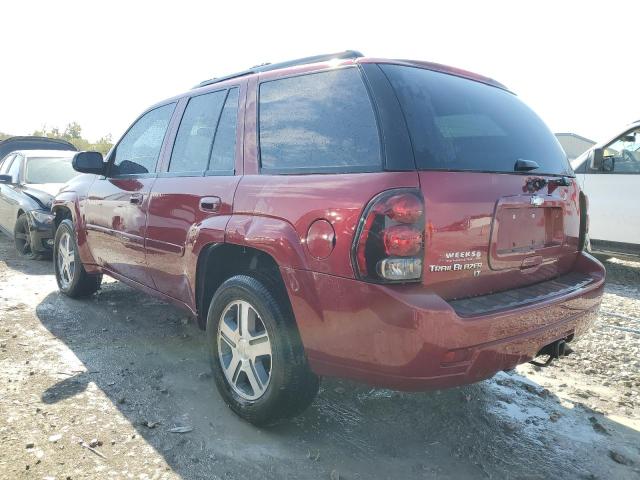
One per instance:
(273, 382)
(22, 239)
(73, 280)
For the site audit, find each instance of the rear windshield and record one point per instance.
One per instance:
(49, 170)
(460, 124)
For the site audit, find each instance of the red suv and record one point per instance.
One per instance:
(396, 222)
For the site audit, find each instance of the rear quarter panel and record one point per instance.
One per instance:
(285, 206)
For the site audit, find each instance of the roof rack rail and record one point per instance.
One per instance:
(265, 67)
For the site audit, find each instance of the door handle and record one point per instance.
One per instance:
(136, 198)
(210, 204)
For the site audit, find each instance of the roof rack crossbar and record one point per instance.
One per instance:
(289, 63)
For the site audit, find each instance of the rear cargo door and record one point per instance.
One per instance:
(502, 206)
(528, 230)
(482, 236)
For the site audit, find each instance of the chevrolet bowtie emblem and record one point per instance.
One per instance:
(536, 201)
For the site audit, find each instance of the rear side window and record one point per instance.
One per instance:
(316, 123)
(460, 124)
(206, 137)
(223, 152)
(195, 135)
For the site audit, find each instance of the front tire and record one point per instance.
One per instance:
(256, 354)
(73, 280)
(22, 239)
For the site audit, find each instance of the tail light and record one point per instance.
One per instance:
(584, 221)
(389, 242)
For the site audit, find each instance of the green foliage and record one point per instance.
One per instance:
(73, 131)
(73, 134)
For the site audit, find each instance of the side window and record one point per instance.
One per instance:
(192, 147)
(318, 122)
(623, 155)
(5, 164)
(139, 149)
(224, 147)
(14, 170)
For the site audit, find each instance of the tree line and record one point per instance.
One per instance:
(73, 134)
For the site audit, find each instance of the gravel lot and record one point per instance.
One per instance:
(102, 388)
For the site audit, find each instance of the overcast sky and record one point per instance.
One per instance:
(576, 63)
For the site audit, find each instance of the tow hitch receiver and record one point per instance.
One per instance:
(554, 350)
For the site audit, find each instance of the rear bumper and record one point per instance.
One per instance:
(410, 339)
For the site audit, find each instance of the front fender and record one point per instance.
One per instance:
(15, 202)
(68, 201)
(26, 202)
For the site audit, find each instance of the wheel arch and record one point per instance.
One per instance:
(63, 211)
(246, 244)
(65, 206)
(218, 262)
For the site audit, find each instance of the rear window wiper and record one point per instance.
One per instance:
(523, 165)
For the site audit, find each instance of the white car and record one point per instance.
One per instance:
(609, 174)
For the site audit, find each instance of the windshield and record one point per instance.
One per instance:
(460, 124)
(49, 170)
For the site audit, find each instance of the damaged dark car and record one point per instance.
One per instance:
(32, 171)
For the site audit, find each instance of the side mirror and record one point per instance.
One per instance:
(88, 162)
(608, 164)
(597, 158)
(6, 179)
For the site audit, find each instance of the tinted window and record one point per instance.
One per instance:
(195, 136)
(139, 149)
(224, 146)
(49, 170)
(460, 124)
(318, 122)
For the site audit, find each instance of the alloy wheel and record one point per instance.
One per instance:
(65, 260)
(244, 349)
(23, 238)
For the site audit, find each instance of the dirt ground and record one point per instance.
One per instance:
(102, 388)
